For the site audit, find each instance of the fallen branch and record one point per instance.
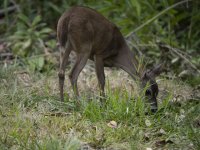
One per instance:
(6, 55)
(177, 52)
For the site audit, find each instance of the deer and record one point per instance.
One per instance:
(92, 36)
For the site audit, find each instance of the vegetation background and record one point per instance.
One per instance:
(159, 31)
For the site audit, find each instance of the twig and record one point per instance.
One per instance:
(56, 114)
(3, 55)
(8, 10)
(176, 51)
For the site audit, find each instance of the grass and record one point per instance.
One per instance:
(32, 117)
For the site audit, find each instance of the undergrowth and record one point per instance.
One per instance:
(32, 117)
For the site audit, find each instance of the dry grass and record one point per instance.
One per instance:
(32, 117)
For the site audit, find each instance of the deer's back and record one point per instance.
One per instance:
(86, 26)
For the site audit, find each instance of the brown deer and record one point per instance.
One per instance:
(91, 36)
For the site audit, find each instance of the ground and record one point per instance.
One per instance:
(32, 117)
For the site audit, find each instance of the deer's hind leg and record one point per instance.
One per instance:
(81, 41)
(81, 61)
(64, 56)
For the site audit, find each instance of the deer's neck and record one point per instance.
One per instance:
(127, 61)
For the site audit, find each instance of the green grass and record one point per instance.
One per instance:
(32, 117)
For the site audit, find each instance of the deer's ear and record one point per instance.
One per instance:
(144, 75)
(157, 70)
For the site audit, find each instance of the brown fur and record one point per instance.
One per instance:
(92, 36)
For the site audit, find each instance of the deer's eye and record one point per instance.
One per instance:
(148, 93)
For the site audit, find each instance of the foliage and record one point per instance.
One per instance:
(28, 38)
(177, 26)
(130, 14)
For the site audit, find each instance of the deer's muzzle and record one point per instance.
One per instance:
(154, 107)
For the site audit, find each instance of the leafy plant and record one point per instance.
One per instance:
(29, 36)
(28, 41)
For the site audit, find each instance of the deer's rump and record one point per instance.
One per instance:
(81, 28)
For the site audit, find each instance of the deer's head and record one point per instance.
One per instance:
(149, 83)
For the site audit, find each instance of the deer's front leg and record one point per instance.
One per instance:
(99, 67)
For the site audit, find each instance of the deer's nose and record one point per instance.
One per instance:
(154, 110)
(154, 107)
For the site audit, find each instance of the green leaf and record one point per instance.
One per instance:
(136, 4)
(45, 31)
(27, 44)
(40, 63)
(36, 20)
(55, 7)
(31, 65)
(36, 63)
(24, 19)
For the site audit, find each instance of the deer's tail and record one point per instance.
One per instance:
(62, 31)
